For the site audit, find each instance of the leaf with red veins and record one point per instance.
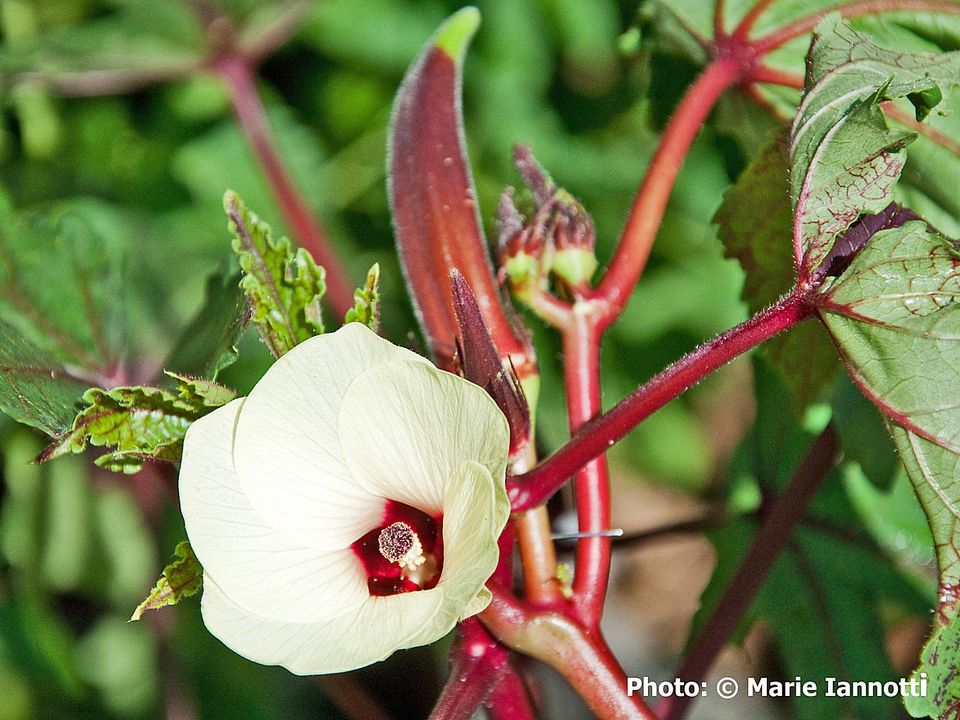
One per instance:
(894, 315)
(432, 196)
(844, 158)
(935, 473)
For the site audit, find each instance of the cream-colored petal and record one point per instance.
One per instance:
(476, 509)
(478, 604)
(406, 428)
(287, 453)
(370, 632)
(260, 569)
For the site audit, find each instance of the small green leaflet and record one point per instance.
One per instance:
(283, 287)
(139, 423)
(844, 159)
(366, 301)
(182, 578)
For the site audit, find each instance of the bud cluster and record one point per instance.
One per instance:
(555, 240)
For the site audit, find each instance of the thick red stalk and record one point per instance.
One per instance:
(651, 201)
(771, 538)
(477, 664)
(581, 369)
(238, 74)
(581, 657)
(806, 24)
(536, 486)
(508, 700)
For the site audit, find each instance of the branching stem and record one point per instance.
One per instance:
(806, 24)
(646, 214)
(535, 487)
(582, 657)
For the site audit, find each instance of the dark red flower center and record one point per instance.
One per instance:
(404, 553)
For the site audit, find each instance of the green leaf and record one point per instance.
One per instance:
(34, 388)
(863, 435)
(182, 578)
(81, 323)
(844, 159)
(934, 471)
(138, 423)
(754, 224)
(209, 342)
(283, 287)
(366, 301)
(894, 317)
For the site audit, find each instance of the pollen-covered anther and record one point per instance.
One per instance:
(400, 544)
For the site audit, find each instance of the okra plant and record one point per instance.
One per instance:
(344, 490)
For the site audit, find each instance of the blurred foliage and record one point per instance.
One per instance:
(140, 177)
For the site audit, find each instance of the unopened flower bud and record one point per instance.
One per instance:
(519, 248)
(558, 238)
(574, 239)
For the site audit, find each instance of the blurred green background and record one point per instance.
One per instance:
(146, 170)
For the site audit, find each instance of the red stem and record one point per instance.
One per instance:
(719, 8)
(742, 30)
(582, 657)
(773, 76)
(478, 665)
(238, 74)
(536, 486)
(581, 365)
(508, 700)
(651, 201)
(806, 24)
(771, 538)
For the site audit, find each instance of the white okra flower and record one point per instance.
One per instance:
(348, 507)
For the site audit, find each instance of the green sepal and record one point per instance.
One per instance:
(574, 265)
(284, 287)
(366, 301)
(182, 578)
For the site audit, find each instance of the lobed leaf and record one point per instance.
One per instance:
(844, 158)
(895, 317)
(283, 287)
(139, 423)
(182, 578)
